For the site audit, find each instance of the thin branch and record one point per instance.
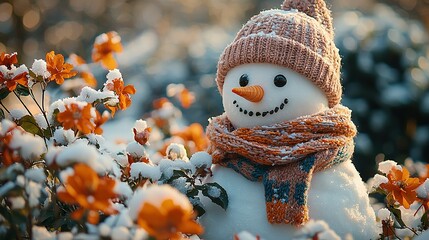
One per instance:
(23, 104)
(5, 108)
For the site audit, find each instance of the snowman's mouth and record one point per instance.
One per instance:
(261, 114)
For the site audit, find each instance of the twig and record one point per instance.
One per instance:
(42, 108)
(23, 104)
(5, 108)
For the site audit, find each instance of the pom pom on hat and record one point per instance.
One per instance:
(298, 37)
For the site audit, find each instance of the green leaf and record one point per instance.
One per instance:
(397, 213)
(198, 206)
(424, 220)
(22, 90)
(29, 124)
(3, 93)
(221, 200)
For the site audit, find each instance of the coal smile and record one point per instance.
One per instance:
(263, 114)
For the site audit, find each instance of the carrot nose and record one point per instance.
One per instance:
(251, 93)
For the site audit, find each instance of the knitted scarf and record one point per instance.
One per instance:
(284, 156)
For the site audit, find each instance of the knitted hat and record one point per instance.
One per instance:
(299, 36)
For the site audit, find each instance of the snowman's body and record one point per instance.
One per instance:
(336, 195)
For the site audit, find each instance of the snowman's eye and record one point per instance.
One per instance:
(280, 80)
(244, 80)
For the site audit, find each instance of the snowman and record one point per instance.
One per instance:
(282, 149)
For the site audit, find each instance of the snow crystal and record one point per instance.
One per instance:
(140, 125)
(423, 190)
(64, 137)
(167, 166)
(245, 235)
(91, 95)
(33, 192)
(39, 68)
(387, 165)
(214, 192)
(17, 114)
(135, 149)
(41, 233)
(201, 159)
(145, 170)
(120, 233)
(383, 214)
(36, 174)
(17, 202)
(122, 188)
(176, 151)
(41, 121)
(30, 146)
(155, 195)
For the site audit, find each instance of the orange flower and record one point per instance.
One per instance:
(143, 136)
(8, 59)
(100, 120)
(194, 135)
(105, 45)
(186, 98)
(401, 187)
(8, 156)
(84, 73)
(77, 118)
(91, 192)
(57, 68)
(123, 93)
(12, 83)
(168, 221)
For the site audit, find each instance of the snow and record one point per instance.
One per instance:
(64, 137)
(29, 146)
(33, 191)
(6, 188)
(135, 149)
(41, 121)
(155, 195)
(214, 192)
(140, 234)
(383, 214)
(379, 179)
(17, 202)
(319, 228)
(167, 166)
(387, 165)
(201, 159)
(39, 68)
(140, 125)
(5, 126)
(113, 74)
(245, 235)
(104, 230)
(91, 95)
(36, 174)
(41, 233)
(145, 170)
(120, 233)
(64, 236)
(123, 189)
(176, 151)
(17, 114)
(423, 190)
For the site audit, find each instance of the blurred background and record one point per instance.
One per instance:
(384, 46)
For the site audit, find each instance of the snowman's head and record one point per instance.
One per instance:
(282, 64)
(262, 94)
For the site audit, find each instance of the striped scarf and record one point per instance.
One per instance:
(283, 156)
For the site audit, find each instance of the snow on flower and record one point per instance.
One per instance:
(105, 45)
(387, 165)
(63, 137)
(136, 150)
(316, 230)
(91, 95)
(383, 214)
(163, 212)
(39, 68)
(33, 191)
(141, 132)
(91, 192)
(58, 69)
(201, 159)
(168, 166)
(117, 86)
(145, 170)
(35, 174)
(13, 76)
(176, 151)
(377, 180)
(8, 59)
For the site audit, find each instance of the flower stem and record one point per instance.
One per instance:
(5, 108)
(42, 108)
